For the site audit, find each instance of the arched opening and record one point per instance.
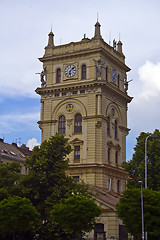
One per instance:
(62, 125)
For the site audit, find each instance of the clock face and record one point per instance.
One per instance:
(114, 77)
(70, 70)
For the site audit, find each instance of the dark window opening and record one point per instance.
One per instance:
(116, 158)
(115, 129)
(76, 152)
(76, 178)
(109, 155)
(62, 125)
(58, 76)
(84, 71)
(82, 91)
(74, 92)
(118, 186)
(108, 126)
(78, 123)
(106, 73)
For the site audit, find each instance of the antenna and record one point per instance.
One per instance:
(19, 142)
(119, 36)
(110, 37)
(97, 16)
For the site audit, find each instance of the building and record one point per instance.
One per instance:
(84, 96)
(13, 153)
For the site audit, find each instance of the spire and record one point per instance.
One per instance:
(50, 39)
(97, 33)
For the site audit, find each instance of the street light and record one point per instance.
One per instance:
(155, 137)
(147, 157)
(142, 209)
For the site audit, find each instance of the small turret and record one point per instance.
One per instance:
(50, 39)
(119, 47)
(97, 33)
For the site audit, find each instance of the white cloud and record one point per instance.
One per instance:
(32, 143)
(149, 75)
(15, 121)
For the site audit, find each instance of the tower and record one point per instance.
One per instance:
(84, 96)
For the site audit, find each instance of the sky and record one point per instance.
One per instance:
(24, 28)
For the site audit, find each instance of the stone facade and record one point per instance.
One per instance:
(84, 96)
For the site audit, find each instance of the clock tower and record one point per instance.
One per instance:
(84, 96)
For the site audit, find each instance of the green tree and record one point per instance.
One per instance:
(9, 175)
(136, 166)
(17, 216)
(129, 210)
(76, 215)
(47, 183)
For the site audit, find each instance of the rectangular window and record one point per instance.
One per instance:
(76, 178)
(76, 152)
(116, 158)
(109, 155)
(118, 186)
(74, 92)
(56, 94)
(106, 73)
(64, 93)
(108, 126)
(82, 91)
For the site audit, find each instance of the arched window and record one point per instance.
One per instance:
(84, 69)
(58, 75)
(108, 126)
(78, 123)
(62, 125)
(99, 231)
(115, 129)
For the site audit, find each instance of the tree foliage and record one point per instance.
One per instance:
(136, 166)
(76, 215)
(17, 216)
(129, 210)
(47, 183)
(9, 175)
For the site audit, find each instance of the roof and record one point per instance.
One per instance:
(13, 151)
(107, 199)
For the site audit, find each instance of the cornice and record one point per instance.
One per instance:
(113, 92)
(98, 165)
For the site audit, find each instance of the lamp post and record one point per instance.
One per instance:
(147, 157)
(142, 209)
(146, 164)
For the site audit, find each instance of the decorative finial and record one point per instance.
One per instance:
(97, 33)
(51, 38)
(97, 16)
